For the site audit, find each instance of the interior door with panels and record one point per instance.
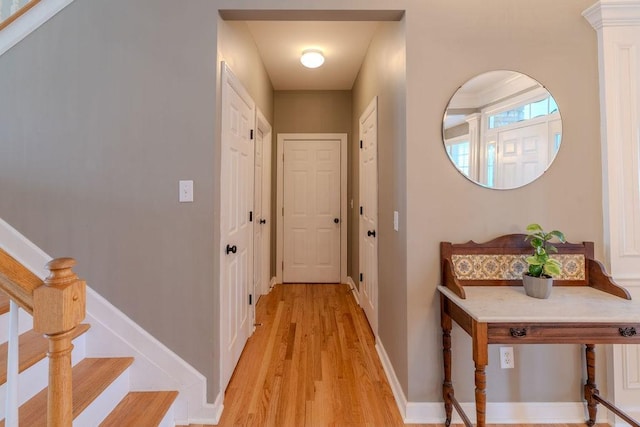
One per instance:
(236, 226)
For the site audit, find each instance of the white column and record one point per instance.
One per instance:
(617, 23)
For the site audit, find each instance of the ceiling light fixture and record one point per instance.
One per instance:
(312, 58)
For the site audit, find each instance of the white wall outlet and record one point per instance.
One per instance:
(506, 358)
(186, 191)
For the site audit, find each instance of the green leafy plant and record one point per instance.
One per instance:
(540, 263)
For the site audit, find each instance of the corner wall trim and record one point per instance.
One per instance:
(29, 22)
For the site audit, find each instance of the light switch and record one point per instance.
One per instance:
(186, 191)
(395, 221)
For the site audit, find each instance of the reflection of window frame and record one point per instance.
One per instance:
(449, 147)
(514, 102)
(491, 135)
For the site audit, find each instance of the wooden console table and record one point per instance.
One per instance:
(590, 309)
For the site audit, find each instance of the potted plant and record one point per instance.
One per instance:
(542, 268)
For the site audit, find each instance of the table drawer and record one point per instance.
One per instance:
(592, 333)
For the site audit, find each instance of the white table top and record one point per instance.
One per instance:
(566, 304)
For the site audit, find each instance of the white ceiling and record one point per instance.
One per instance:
(344, 44)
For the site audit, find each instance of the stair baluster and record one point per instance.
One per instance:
(11, 399)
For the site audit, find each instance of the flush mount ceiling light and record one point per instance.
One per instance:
(312, 58)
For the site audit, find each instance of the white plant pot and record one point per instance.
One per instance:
(537, 287)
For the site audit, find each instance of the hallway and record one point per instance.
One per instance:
(311, 363)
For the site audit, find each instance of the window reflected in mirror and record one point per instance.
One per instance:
(502, 129)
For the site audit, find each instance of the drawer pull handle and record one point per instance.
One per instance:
(627, 332)
(518, 332)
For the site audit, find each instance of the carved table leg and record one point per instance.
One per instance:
(481, 394)
(481, 359)
(447, 386)
(590, 387)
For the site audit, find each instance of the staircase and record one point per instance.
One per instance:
(100, 387)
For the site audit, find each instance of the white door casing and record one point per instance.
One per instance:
(324, 229)
(263, 130)
(236, 229)
(258, 215)
(368, 224)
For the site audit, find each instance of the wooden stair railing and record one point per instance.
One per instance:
(57, 305)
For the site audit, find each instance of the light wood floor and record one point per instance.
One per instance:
(311, 363)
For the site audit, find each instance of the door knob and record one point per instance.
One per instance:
(231, 249)
(336, 220)
(371, 233)
(263, 221)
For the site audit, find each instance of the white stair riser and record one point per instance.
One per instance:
(25, 323)
(100, 408)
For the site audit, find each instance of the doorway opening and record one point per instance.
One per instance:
(248, 40)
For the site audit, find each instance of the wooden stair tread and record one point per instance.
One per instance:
(91, 377)
(33, 348)
(141, 409)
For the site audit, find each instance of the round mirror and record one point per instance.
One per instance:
(502, 129)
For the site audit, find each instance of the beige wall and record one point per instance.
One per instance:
(310, 111)
(102, 112)
(446, 45)
(383, 75)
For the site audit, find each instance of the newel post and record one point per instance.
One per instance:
(58, 307)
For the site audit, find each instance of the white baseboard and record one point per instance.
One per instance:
(497, 412)
(112, 333)
(396, 388)
(354, 289)
(506, 413)
(274, 281)
(156, 367)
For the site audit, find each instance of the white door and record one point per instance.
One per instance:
(258, 226)
(369, 214)
(312, 219)
(522, 155)
(236, 229)
(262, 205)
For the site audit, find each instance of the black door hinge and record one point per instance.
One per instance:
(361, 277)
(250, 299)
(250, 216)
(251, 134)
(360, 210)
(360, 143)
